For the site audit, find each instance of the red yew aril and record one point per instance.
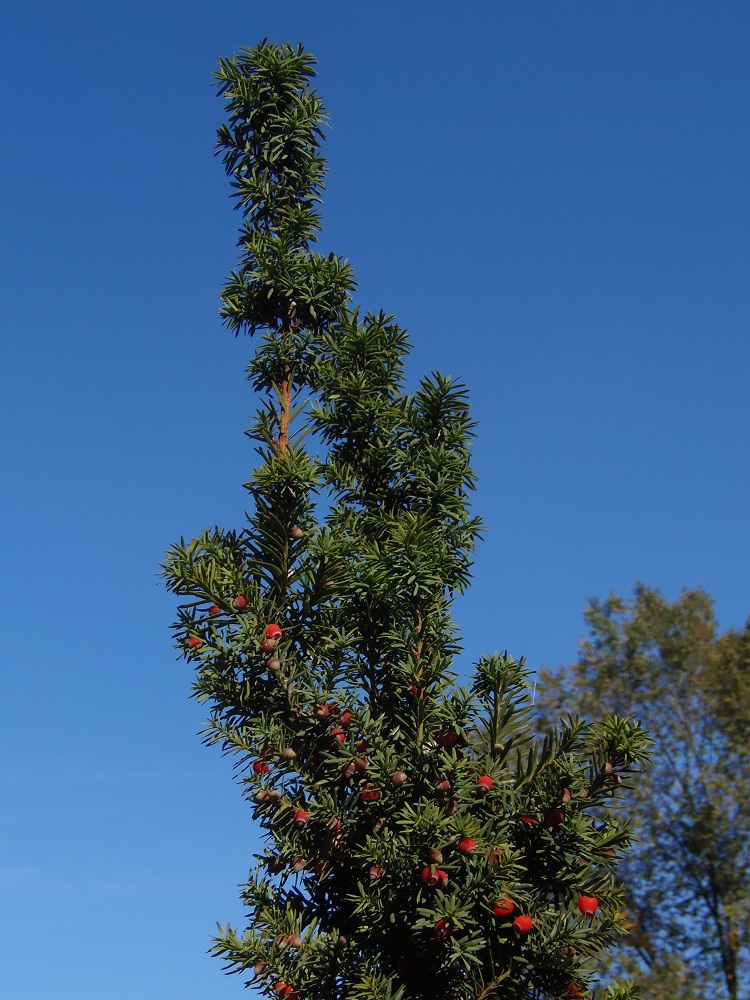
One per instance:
(443, 785)
(398, 778)
(435, 856)
(376, 872)
(446, 738)
(261, 767)
(301, 817)
(346, 718)
(269, 645)
(485, 783)
(429, 875)
(214, 609)
(523, 924)
(361, 763)
(288, 754)
(240, 602)
(297, 533)
(467, 846)
(529, 821)
(495, 855)
(285, 992)
(273, 632)
(370, 793)
(350, 769)
(503, 907)
(442, 929)
(588, 905)
(554, 817)
(193, 642)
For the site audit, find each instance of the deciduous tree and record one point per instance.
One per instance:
(688, 879)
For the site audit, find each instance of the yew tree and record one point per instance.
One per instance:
(420, 839)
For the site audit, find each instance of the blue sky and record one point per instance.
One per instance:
(551, 197)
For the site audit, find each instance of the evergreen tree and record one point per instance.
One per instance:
(420, 841)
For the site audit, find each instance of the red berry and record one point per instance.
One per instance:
(322, 711)
(376, 872)
(429, 875)
(297, 533)
(269, 645)
(495, 856)
(351, 769)
(301, 817)
(467, 846)
(485, 783)
(283, 990)
(299, 864)
(443, 785)
(193, 642)
(554, 817)
(288, 754)
(370, 793)
(214, 609)
(523, 924)
(435, 856)
(446, 738)
(529, 821)
(361, 764)
(442, 878)
(346, 718)
(442, 929)
(240, 602)
(335, 737)
(398, 778)
(273, 632)
(260, 767)
(588, 905)
(503, 907)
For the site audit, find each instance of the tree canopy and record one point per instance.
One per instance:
(688, 879)
(420, 841)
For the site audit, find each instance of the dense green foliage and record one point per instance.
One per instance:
(420, 840)
(688, 880)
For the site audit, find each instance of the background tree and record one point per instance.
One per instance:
(419, 841)
(688, 879)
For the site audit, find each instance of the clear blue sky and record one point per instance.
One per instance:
(552, 197)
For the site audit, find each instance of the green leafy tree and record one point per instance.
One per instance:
(688, 879)
(419, 840)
